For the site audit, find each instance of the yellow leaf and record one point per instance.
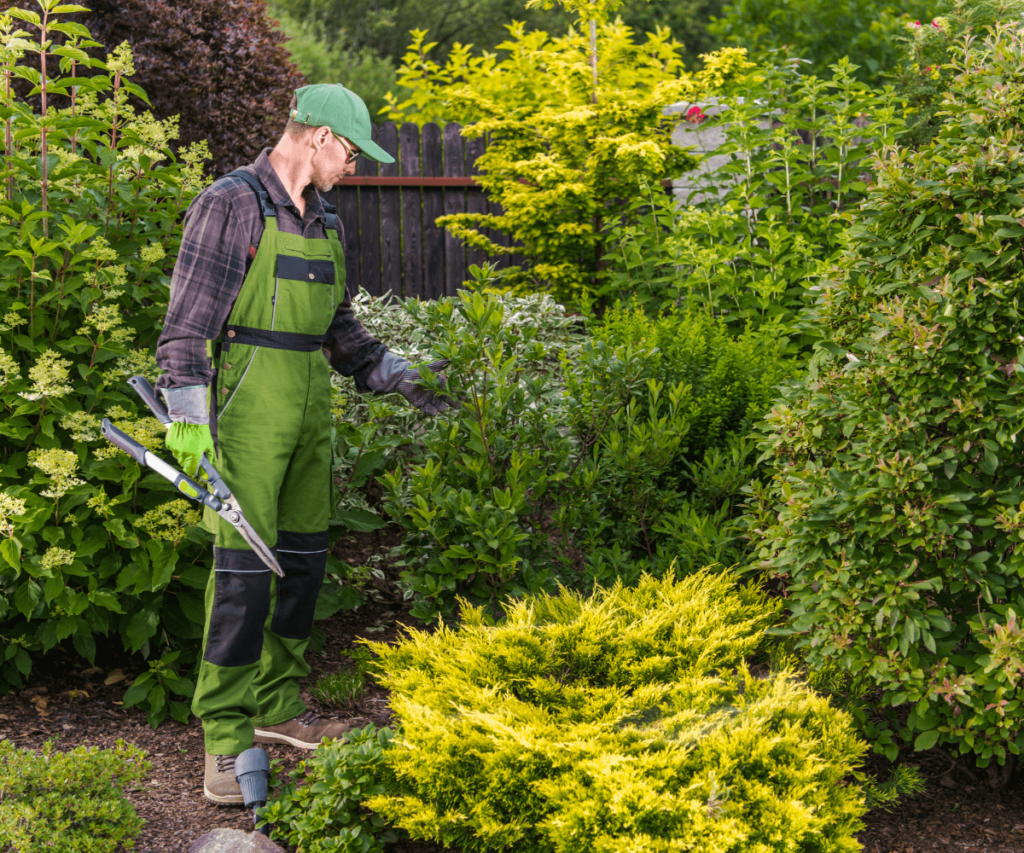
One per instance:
(114, 677)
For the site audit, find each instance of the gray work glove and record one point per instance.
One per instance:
(427, 401)
(187, 405)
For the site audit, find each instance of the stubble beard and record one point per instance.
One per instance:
(320, 182)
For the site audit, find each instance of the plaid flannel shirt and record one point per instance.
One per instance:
(223, 230)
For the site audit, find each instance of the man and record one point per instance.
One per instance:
(258, 293)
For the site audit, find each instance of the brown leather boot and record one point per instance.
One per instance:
(219, 785)
(304, 731)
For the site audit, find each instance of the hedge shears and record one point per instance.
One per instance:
(218, 497)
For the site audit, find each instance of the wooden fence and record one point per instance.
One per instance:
(392, 241)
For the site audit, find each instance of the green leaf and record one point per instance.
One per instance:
(359, 520)
(141, 627)
(165, 558)
(27, 597)
(926, 740)
(10, 549)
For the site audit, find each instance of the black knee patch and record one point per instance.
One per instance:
(303, 556)
(241, 603)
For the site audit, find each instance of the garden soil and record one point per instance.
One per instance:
(74, 706)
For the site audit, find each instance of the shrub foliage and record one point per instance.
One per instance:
(895, 518)
(571, 458)
(221, 66)
(626, 720)
(68, 801)
(577, 128)
(90, 203)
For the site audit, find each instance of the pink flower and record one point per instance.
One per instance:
(928, 69)
(695, 115)
(937, 25)
(917, 23)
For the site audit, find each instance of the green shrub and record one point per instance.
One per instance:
(321, 810)
(625, 720)
(896, 513)
(662, 409)
(760, 230)
(821, 32)
(929, 45)
(523, 488)
(576, 126)
(484, 482)
(90, 545)
(68, 801)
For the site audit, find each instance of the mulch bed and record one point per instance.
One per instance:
(75, 706)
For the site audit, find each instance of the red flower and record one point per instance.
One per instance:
(695, 115)
(936, 25)
(928, 69)
(917, 23)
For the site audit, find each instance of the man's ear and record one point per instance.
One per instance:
(320, 136)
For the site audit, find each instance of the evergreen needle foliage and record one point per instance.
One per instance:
(628, 720)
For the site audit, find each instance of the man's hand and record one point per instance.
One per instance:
(188, 443)
(427, 401)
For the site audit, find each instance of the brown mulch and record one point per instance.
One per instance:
(75, 706)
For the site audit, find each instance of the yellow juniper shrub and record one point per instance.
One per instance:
(629, 720)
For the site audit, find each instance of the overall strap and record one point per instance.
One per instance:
(266, 206)
(331, 215)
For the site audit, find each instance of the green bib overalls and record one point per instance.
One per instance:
(271, 412)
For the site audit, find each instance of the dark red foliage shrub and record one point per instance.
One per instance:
(219, 64)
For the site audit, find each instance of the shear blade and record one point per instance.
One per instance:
(254, 542)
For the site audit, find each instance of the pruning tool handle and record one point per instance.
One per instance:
(184, 484)
(159, 410)
(150, 398)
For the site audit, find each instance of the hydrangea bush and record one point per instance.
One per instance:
(90, 199)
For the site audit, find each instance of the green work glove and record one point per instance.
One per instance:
(188, 443)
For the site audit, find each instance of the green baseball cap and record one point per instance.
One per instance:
(332, 105)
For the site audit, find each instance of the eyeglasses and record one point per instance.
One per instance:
(353, 152)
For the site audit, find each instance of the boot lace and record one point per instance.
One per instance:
(226, 764)
(308, 719)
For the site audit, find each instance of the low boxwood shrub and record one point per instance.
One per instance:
(630, 719)
(896, 514)
(68, 801)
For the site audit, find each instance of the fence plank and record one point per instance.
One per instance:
(369, 227)
(432, 164)
(390, 215)
(346, 199)
(412, 222)
(476, 201)
(499, 238)
(454, 202)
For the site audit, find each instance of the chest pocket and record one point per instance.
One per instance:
(304, 295)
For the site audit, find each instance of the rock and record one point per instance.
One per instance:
(233, 841)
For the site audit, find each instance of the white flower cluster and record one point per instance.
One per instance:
(60, 466)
